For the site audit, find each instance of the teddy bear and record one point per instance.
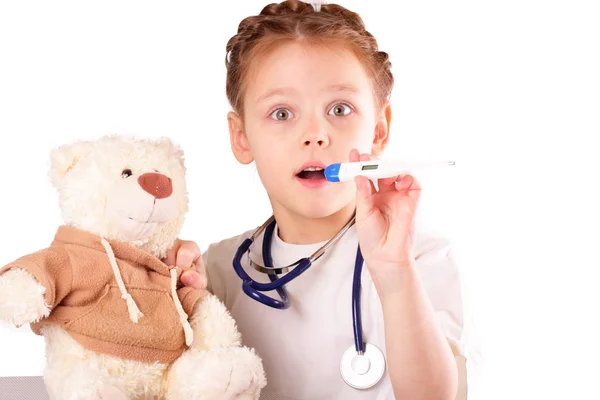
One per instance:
(116, 321)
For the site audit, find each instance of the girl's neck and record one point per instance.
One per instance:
(297, 229)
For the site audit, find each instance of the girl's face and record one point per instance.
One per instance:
(306, 107)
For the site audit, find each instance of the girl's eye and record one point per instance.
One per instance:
(339, 110)
(281, 114)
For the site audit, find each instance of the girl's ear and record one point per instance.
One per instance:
(382, 130)
(238, 139)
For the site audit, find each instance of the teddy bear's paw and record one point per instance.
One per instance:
(21, 298)
(247, 376)
(110, 393)
(213, 325)
(234, 373)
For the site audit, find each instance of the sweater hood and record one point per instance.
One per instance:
(68, 235)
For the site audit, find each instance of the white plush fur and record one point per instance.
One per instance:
(94, 196)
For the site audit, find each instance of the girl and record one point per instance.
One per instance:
(309, 87)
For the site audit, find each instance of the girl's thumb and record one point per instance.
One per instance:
(364, 192)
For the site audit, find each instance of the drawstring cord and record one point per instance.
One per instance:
(134, 311)
(183, 317)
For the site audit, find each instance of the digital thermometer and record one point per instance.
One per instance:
(376, 169)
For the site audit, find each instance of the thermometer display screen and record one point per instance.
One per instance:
(369, 167)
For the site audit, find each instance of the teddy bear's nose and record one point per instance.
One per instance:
(157, 185)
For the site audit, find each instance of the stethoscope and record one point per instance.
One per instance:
(362, 365)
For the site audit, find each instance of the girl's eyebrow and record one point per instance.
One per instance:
(342, 87)
(288, 91)
(284, 91)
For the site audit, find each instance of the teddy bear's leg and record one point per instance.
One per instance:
(73, 372)
(216, 366)
(21, 298)
(81, 381)
(219, 374)
(213, 326)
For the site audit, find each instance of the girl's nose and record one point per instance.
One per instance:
(318, 142)
(315, 137)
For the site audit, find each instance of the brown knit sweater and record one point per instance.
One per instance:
(82, 290)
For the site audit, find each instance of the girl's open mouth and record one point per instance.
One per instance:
(312, 173)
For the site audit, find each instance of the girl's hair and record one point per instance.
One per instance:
(295, 20)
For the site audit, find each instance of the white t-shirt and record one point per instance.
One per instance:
(301, 346)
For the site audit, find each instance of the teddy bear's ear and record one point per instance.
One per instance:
(64, 158)
(179, 155)
(175, 150)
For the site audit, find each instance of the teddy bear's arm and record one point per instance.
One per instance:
(32, 285)
(211, 321)
(190, 297)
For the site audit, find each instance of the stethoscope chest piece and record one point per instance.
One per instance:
(361, 371)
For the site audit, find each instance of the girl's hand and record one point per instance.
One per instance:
(385, 221)
(187, 254)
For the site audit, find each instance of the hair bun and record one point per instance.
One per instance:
(287, 7)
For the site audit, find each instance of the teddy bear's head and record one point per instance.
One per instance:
(123, 188)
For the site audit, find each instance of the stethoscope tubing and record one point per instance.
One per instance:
(304, 264)
(253, 289)
(356, 313)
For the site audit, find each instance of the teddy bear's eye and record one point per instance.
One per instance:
(126, 173)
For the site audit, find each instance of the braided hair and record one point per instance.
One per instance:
(296, 20)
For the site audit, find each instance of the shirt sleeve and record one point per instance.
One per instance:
(442, 281)
(51, 268)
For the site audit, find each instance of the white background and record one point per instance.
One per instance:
(510, 90)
